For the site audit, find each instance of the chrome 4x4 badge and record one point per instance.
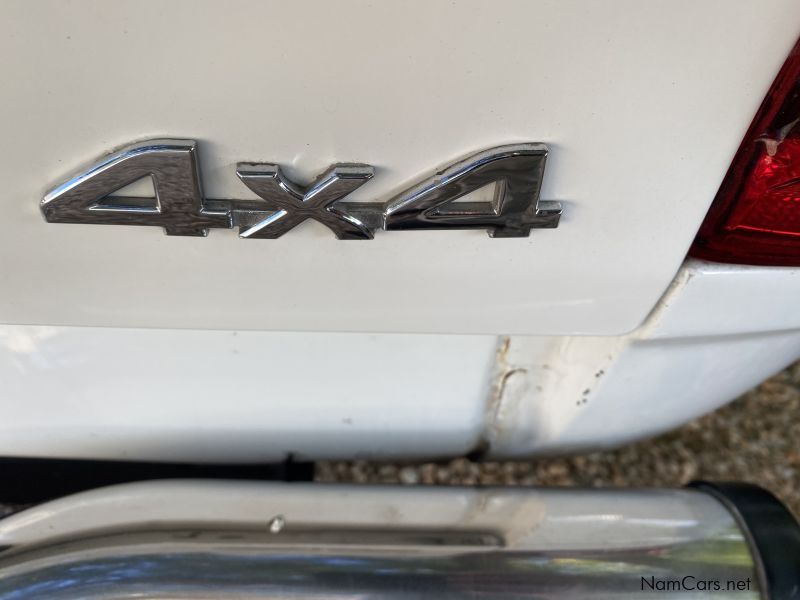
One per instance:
(181, 209)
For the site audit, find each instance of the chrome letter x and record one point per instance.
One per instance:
(288, 204)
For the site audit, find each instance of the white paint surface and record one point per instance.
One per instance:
(643, 105)
(718, 331)
(222, 396)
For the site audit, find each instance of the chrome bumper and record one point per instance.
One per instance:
(200, 539)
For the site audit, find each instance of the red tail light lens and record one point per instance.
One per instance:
(755, 217)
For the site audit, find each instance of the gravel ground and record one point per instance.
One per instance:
(756, 439)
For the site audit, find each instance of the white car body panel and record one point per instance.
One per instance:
(226, 396)
(642, 104)
(121, 342)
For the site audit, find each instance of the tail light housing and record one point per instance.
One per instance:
(755, 217)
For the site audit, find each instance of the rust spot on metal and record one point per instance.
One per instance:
(503, 372)
(504, 378)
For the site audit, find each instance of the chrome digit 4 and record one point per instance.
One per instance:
(179, 206)
(517, 172)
